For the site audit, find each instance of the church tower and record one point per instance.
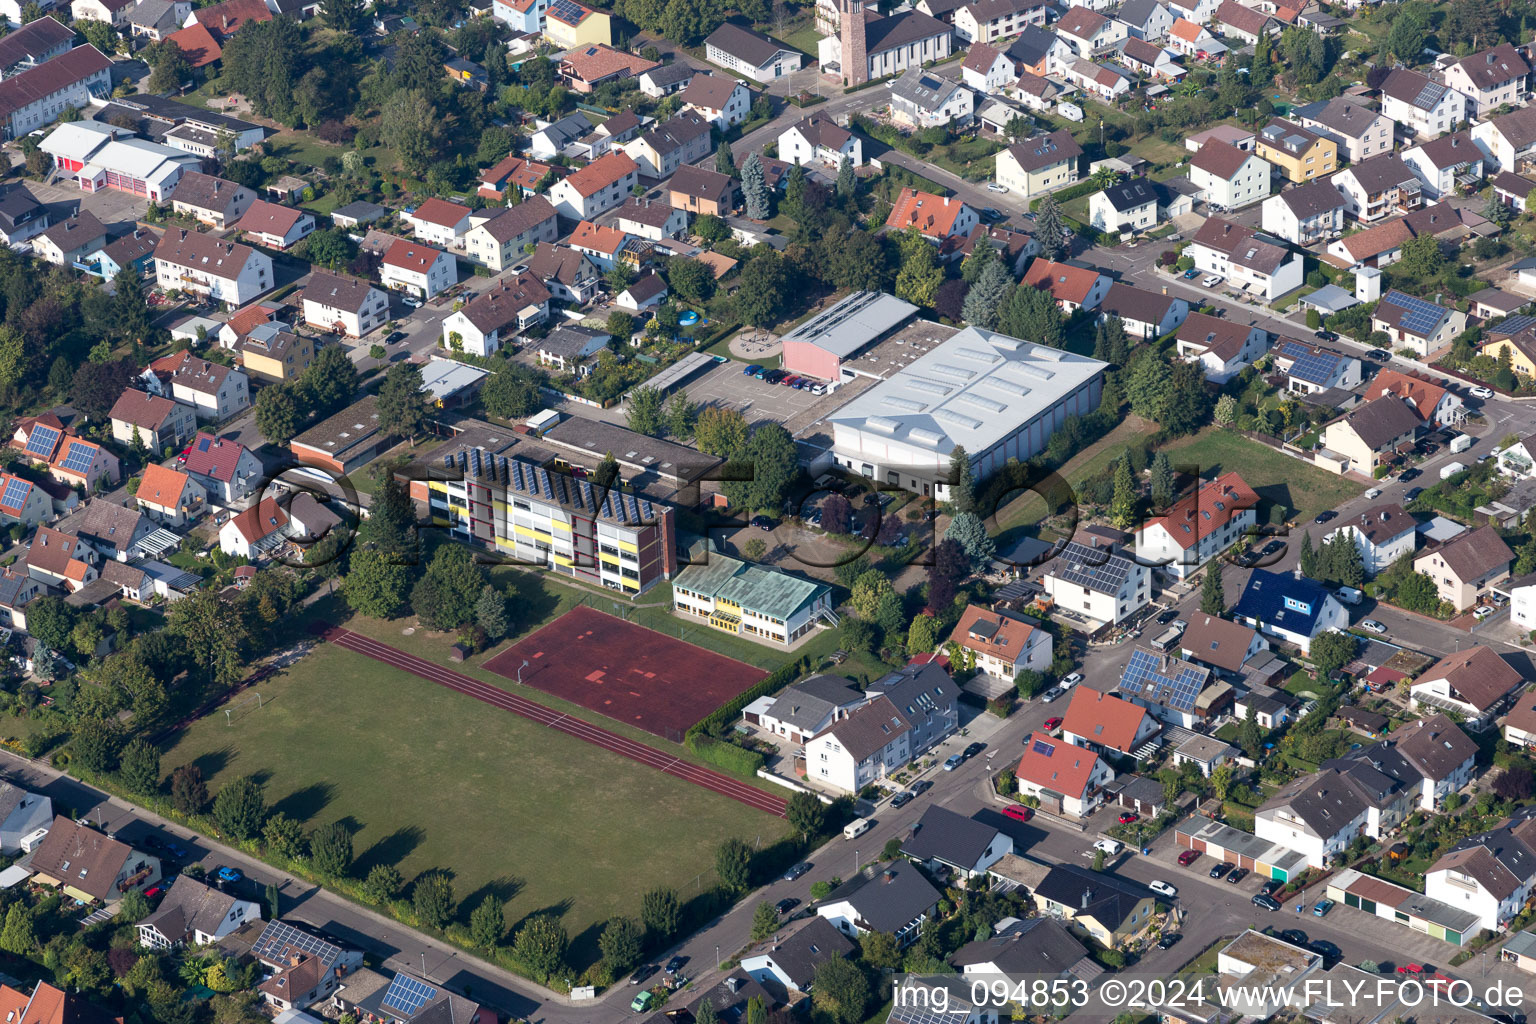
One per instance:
(854, 58)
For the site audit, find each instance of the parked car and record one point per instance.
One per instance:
(1269, 887)
(901, 799)
(921, 786)
(993, 186)
(1191, 274)
(1481, 612)
(1051, 694)
(1321, 908)
(1237, 875)
(642, 1002)
(1325, 949)
(1326, 517)
(763, 522)
(1325, 336)
(1126, 817)
(1162, 888)
(1071, 681)
(953, 761)
(1053, 723)
(1264, 902)
(1212, 281)
(1374, 492)
(642, 973)
(676, 964)
(394, 337)
(1271, 548)
(1372, 626)
(1412, 492)
(1481, 392)
(230, 875)
(796, 871)
(751, 371)
(785, 905)
(1295, 936)
(1380, 355)
(1018, 812)
(1108, 847)
(1165, 617)
(152, 892)
(1220, 869)
(1188, 857)
(1169, 940)
(992, 214)
(972, 749)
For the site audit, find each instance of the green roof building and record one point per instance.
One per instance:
(750, 600)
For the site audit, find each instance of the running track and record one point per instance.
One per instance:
(582, 730)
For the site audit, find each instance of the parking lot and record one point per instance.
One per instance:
(761, 402)
(117, 210)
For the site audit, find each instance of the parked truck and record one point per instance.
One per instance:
(1450, 469)
(1461, 442)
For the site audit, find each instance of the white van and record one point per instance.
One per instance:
(857, 827)
(1450, 469)
(1461, 442)
(1349, 595)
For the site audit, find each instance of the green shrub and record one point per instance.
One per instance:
(727, 756)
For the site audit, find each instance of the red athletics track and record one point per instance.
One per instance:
(582, 730)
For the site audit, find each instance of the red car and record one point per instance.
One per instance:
(1018, 812)
(184, 453)
(1188, 857)
(152, 893)
(1052, 724)
(1411, 969)
(1127, 818)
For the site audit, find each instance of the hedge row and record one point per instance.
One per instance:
(727, 756)
(720, 719)
(1082, 188)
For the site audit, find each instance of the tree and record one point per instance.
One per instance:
(1250, 735)
(967, 530)
(920, 275)
(189, 794)
(621, 325)
(621, 943)
(1028, 684)
(1422, 257)
(1515, 783)
(488, 923)
(764, 284)
(1029, 312)
(1122, 510)
(805, 813)
(1213, 598)
(513, 393)
(382, 884)
(1495, 210)
(660, 912)
(725, 162)
(240, 808)
(867, 592)
(680, 415)
(847, 184)
(721, 431)
(1221, 781)
(330, 850)
(1162, 481)
(754, 189)
(986, 296)
(169, 67)
(644, 411)
(446, 595)
(765, 920)
(841, 990)
(770, 455)
(757, 1012)
(619, 277)
(408, 124)
(130, 311)
(330, 382)
(491, 612)
(923, 634)
(1050, 229)
(733, 863)
(432, 898)
(277, 413)
(402, 404)
(1226, 410)
(140, 766)
(1410, 28)
(213, 634)
(1331, 651)
(19, 936)
(285, 837)
(375, 584)
(344, 16)
(540, 946)
(51, 622)
(705, 1013)
(96, 745)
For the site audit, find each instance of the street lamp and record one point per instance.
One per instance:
(717, 956)
(520, 671)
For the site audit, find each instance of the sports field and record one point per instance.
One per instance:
(429, 778)
(627, 672)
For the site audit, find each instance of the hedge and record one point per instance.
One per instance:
(1063, 195)
(717, 721)
(730, 757)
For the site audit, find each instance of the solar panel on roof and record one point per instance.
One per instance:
(280, 935)
(517, 476)
(42, 441)
(566, 11)
(645, 506)
(408, 994)
(608, 505)
(15, 493)
(586, 493)
(1420, 316)
(203, 443)
(1042, 747)
(544, 482)
(81, 455)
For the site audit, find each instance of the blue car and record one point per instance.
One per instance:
(1322, 908)
(231, 875)
(1191, 274)
(751, 371)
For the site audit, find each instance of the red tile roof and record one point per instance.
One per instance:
(260, 520)
(932, 215)
(602, 172)
(50, 77)
(1066, 283)
(212, 457)
(441, 212)
(162, 486)
(1207, 510)
(408, 255)
(197, 45)
(1056, 765)
(1103, 718)
(1421, 395)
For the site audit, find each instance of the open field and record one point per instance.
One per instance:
(626, 672)
(428, 778)
(1025, 510)
(1275, 477)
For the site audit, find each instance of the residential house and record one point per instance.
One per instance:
(652, 220)
(1289, 607)
(1378, 246)
(701, 190)
(549, 139)
(1369, 436)
(944, 839)
(1302, 155)
(1100, 81)
(605, 246)
(252, 533)
(1193, 40)
(37, 96)
(1143, 314)
(500, 239)
(750, 54)
(494, 318)
(1378, 187)
(926, 697)
(1106, 724)
(1100, 904)
(1039, 164)
(1221, 347)
(596, 188)
(818, 140)
(923, 99)
(1003, 643)
(666, 80)
(194, 914)
(87, 864)
(1466, 566)
(721, 100)
(1016, 247)
(1145, 19)
(569, 276)
(1229, 177)
(1447, 165)
(1306, 214)
(1072, 285)
(1423, 107)
(897, 901)
(646, 291)
(211, 200)
(1221, 645)
(1514, 340)
(1360, 131)
(572, 25)
(273, 352)
(870, 744)
(133, 253)
(1199, 526)
(22, 501)
(791, 960)
(17, 590)
(512, 174)
(1436, 406)
(1150, 59)
(439, 222)
(1095, 580)
(682, 139)
(150, 420)
(985, 69)
(1489, 79)
(227, 272)
(113, 529)
(71, 241)
(935, 218)
(986, 21)
(1495, 304)
(306, 968)
(1038, 51)
(808, 708)
(1440, 754)
(1520, 724)
(1067, 779)
(1382, 534)
(169, 496)
(227, 470)
(1508, 140)
(1491, 874)
(343, 305)
(1475, 683)
(418, 269)
(67, 457)
(275, 226)
(585, 68)
(1243, 23)
(157, 20)
(1421, 326)
(1321, 814)
(21, 215)
(1088, 33)
(22, 815)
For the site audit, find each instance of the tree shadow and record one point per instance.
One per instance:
(214, 762)
(555, 910)
(502, 890)
(303, 804)
(391, 849)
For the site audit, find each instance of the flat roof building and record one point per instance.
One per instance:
(998, 397)
(823, 346)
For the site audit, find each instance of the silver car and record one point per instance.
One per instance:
(1051, 694)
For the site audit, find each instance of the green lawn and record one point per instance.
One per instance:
(1028, 509)
(428, 778)
(1304, 489)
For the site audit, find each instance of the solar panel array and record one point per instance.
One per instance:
(1092, 568)
(407, 994)
(1420, 317)
(1144, 677)
(567, 11)
(42, 441)
(1516, 324)
(280, 935)
(15, 493)
(1429, 95)
(1308, 363)
(81, 455)
(1043, 748)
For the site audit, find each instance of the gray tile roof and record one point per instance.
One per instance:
(949, 838)
(889, 900)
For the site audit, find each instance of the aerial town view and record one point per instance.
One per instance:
(767, 511)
